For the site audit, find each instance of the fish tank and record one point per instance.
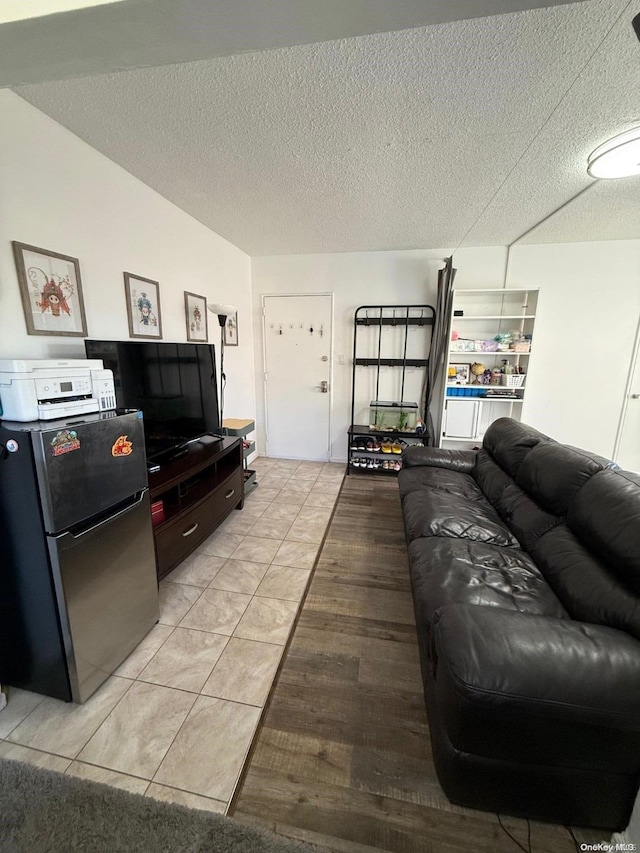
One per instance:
(396, 416)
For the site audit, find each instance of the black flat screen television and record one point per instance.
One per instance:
(173, 384)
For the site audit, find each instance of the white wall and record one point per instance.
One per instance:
(363, 278)
(587, 317)
(59, 193)
(588, 309)
(367, 278)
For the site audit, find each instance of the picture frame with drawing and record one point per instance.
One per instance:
(230, 332)
(195, 309)
(50, 290)
(143, 306)
(458, 374)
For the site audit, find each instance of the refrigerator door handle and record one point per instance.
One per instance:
(109, 518)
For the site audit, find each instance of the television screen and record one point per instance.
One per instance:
(173, 384)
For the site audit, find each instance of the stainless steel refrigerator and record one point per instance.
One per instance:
(78, 587)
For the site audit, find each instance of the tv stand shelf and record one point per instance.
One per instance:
(198, 489)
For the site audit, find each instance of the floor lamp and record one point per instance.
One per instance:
(222, 312)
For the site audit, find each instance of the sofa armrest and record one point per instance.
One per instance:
(435, 457)
(558, 668)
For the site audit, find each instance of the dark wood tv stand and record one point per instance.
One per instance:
(198, 489)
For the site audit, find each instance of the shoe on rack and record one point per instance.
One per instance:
(398, 445)
(386, 446)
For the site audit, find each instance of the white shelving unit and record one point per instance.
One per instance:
(480, 315)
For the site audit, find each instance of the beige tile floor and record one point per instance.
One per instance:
(176, 720)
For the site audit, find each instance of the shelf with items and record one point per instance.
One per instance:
(241, 428)
(391, 346)
(506, 353)
(367, 445)
(488, 360)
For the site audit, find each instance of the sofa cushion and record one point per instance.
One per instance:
(525, 518)
(509, 442)
(459, 571)
(586, 585)
(552, 474)
(463, 485)
(437, 457)
(434, 512)
(490, 477)
(606, 517)
(500, 674)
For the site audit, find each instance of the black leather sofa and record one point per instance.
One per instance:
(525, 570)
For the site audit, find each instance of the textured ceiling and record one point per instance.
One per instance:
(138, 33)
(464, 133)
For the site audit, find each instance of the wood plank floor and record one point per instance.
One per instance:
(343, 756)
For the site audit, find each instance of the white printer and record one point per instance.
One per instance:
(42, 389)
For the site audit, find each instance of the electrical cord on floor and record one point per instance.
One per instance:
(528, 848)
(575, 840)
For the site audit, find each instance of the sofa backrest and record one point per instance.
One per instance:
(574, 513)
(509, 442)
(552, 474)
(592, 559)
(531, 479)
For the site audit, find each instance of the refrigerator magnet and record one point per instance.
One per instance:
(64, 442)
(122, 447)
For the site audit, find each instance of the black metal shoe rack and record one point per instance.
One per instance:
(384, 317)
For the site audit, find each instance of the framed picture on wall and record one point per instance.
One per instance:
(51, 291)
(458, 374)
(231, 330)
(195, 309)
(143, 306)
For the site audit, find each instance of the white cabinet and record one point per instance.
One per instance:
(489, 331)
(462, 418)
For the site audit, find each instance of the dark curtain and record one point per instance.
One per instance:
(438, 352)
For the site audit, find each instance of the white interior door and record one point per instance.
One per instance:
(627, 454)
(297, 345)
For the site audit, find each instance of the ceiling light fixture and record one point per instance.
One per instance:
(617, 158)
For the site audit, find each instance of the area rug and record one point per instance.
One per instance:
(42, 811)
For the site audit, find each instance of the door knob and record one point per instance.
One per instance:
(635, 396)
(323, 386)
